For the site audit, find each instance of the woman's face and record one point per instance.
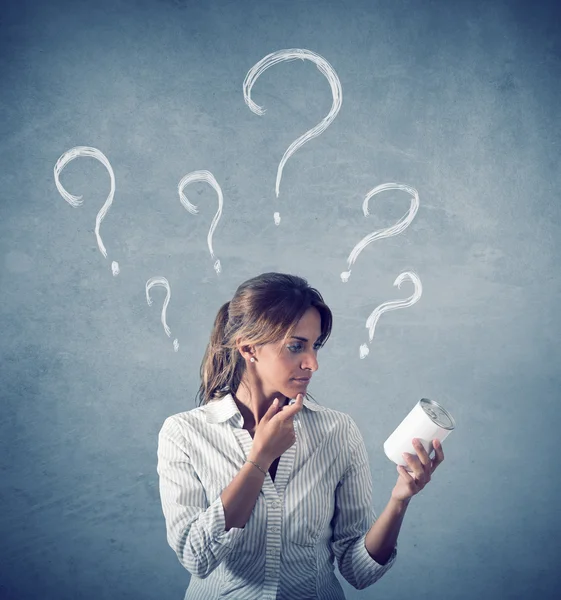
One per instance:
(278, 365)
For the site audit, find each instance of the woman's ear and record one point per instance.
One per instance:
(246, 351)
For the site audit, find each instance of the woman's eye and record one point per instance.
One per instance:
(298, 347)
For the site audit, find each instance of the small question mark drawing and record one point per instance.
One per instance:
(207, 177)
(396, 229)
(163, 282)
(394, 305)
(325, 68)
(75, 201)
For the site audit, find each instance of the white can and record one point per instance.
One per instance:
(427, 421)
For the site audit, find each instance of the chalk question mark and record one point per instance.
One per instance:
(325, 68)
(75, 201)
(208, 177)
(394, 305)
(396, 229)
(163, 282)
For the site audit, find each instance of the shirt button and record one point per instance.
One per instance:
(274, 528)
(275, 503)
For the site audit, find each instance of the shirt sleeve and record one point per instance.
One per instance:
(195, 530)
(353, 517)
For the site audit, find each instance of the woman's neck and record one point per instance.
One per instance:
(252, 412)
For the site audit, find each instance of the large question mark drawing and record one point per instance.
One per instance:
(75, 201)
(325, 68)
(396, 229)
(163, 282)
(394, 305)
(207, 177)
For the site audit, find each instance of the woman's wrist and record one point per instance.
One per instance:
(399, 503)
(257, 466)
(259, 460)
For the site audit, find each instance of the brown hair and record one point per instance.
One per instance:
(264, 309)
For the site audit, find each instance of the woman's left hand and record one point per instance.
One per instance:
(409, 484)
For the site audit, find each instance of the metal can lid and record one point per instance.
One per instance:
(438, 415)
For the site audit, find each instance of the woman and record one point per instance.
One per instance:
(260, 487)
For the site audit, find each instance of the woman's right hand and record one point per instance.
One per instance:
(275, 433)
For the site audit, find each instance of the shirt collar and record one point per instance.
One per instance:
(218, 411)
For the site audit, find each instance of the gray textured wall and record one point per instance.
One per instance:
(459, 100)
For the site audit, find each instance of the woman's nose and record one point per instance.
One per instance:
(311, 363)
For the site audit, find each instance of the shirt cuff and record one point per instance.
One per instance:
(216, 522)
(367, 569)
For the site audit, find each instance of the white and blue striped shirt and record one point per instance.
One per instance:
(318, 507)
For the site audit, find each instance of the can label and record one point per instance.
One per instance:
(427, 421)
